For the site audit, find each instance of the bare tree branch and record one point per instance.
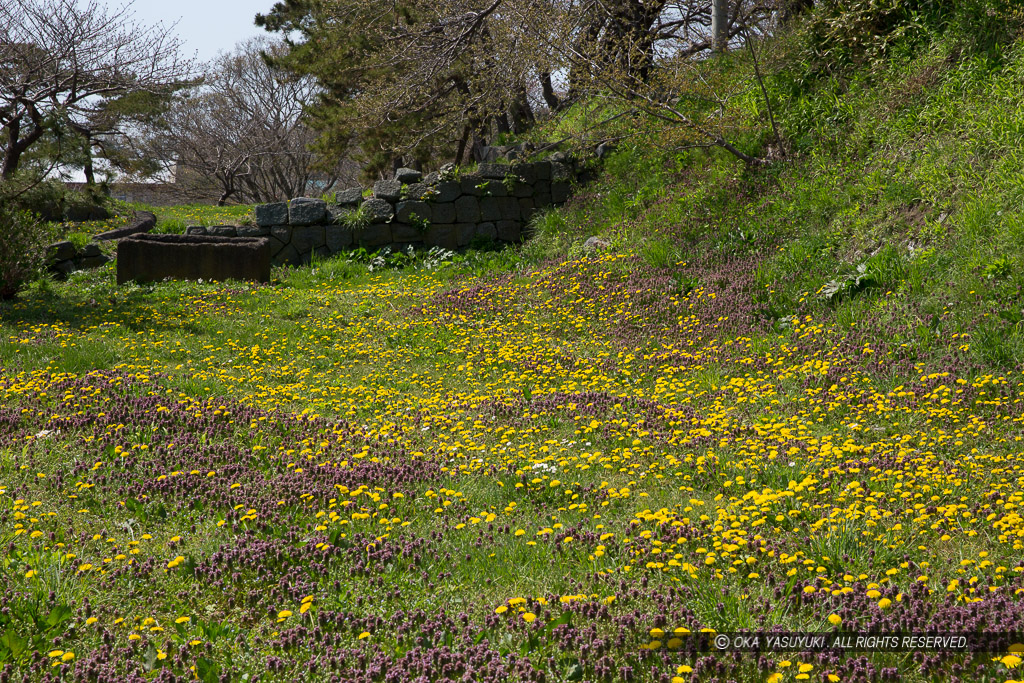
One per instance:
(58, 58)
(244, 130)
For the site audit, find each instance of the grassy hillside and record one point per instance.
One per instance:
(897, 210)
(786, 397)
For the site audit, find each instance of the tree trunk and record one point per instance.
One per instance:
(548, 91)
(228, 191)
(478, 150)
(501, 121)
(631, 43)
(480, 143)
(16, 146)
(12, 156)
(719, 25)
(461, 151)
(520, 113)
(90, 176)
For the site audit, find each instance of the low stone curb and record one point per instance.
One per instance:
(144, 222)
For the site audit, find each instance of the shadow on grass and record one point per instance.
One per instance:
(53, 325)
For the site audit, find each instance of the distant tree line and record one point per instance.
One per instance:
(346, 83)
(79, 82)
(243, 130)
(419, 80)
(74, 78)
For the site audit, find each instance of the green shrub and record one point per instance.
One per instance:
(354, 219)
(53, 201)
(855, 33)
(79, 239)
(421, 224)
(45, 200)
(170, 226)
(23, 239)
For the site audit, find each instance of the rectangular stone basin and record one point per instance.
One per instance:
(149, 258)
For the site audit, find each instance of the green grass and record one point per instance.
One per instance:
(169, 219)
(911, 170)
(174, 219)
(683, 430)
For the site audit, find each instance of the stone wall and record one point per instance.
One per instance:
(63, 258)
(492, 204)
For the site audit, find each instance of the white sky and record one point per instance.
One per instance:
(205, 27)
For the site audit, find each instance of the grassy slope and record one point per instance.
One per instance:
(168, 219)
(912, 170)
(682, 432)
(177, 218)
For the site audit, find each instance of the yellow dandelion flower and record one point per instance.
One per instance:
(1011, 661)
